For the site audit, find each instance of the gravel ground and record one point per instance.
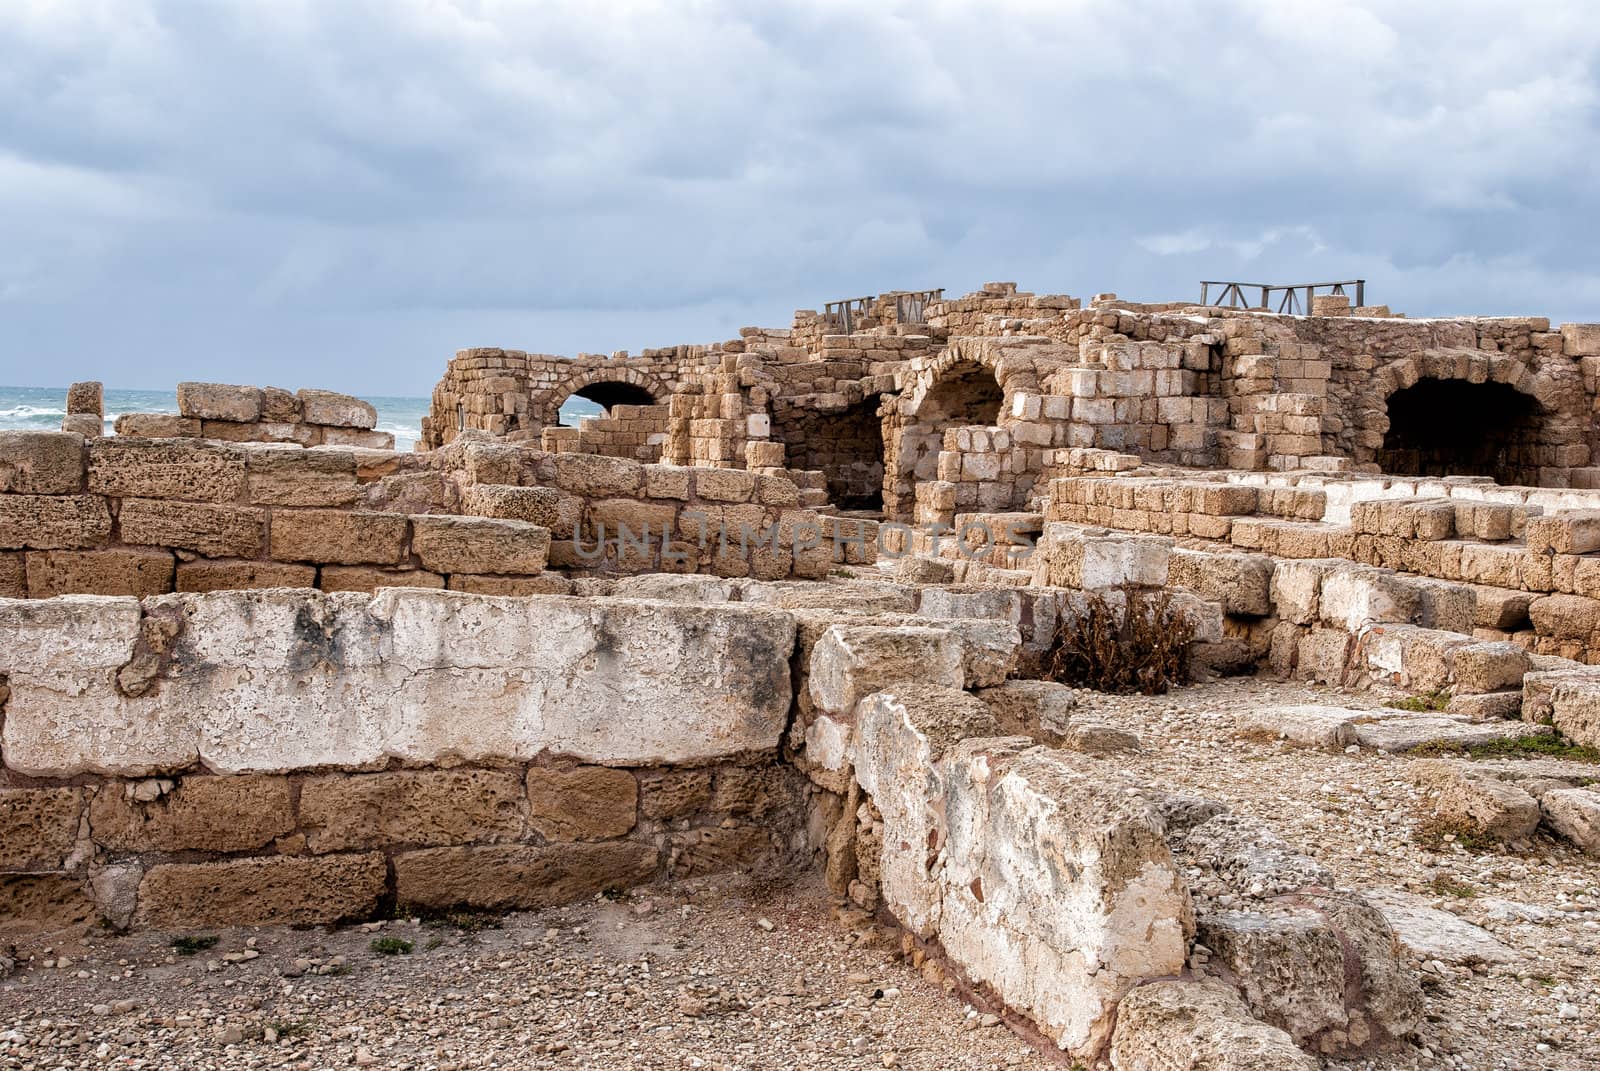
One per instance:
(1357, 814)
(715, 975)
(732, 973)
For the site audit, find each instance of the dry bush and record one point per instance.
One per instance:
(1143, 649)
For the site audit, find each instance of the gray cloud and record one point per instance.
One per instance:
(342, 193)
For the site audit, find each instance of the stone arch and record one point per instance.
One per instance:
(632, 387)
(1462, 413)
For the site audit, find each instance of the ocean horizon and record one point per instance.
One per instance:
(41, 409)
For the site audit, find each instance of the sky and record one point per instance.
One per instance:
(341, 193)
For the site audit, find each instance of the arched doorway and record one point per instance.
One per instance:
(961, 393)
(1452, 427)
(965, 394)
(601, 396)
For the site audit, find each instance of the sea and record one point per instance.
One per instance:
(41, 409)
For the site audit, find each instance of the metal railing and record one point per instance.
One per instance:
(1232, 294)
(910, 306)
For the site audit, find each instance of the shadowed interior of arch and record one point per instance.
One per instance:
(1443, 427)
(965, 394)
(605, 394)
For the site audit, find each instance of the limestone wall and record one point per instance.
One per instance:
(237, 758)
(261, 415)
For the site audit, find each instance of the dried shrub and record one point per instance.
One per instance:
(1143, 648)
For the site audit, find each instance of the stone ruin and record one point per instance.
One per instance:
(793, 601)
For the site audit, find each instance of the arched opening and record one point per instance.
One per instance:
(1450, 427)
(966, 394)
(846, 446)
(594, 399)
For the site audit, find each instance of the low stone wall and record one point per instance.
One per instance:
(288, 756)
(262, 415)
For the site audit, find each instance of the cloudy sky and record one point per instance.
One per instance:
(341, 193)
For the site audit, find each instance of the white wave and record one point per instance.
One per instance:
(22, 412)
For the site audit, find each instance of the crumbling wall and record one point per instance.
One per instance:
(261, 415)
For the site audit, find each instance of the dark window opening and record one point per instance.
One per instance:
(601, 396)
(967, 395)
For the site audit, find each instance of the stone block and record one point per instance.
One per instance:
(13, 576)
(41, 462)
(1296, 584)
(1575, 709)
(38, 827)
(1497, 808)
(851, 662)
(272, 891)
(1571, 532)
(273, 681)
(1574, 814)
(337, 410)
(1241, 582)
(1073, 557)
(1353, 597)
(1198, 1026)
(1047, 881)
(119, 571)
(219, 401)
(510, 877)
(367, 578)
(43, 902)
(448, 544)
(1488, 667)
(216, 531)
(201, 813)
(1039, 709)
(1561, 616)
(581, 803)
(280, 475)
(411, 808)
(543, 584)
(51, 522)
(359, 438)
(597, 477)
(156, 426)
(338, 537)
(243, 575)
(667, 794)
(86, 397)
(1287, 963)
(536, 505)
(724, 485)
(186, 469)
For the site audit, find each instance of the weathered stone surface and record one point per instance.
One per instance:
(1575, 709)
(276, 890)
(338, 410)
(1432, 934)
(479, 544)
(156, 426)
(1489, 667)
(1355, 596)
(118, 571)
(1287, 963)
(674, 793)
(43, 902)
(1297, 586)
(367, 578)
(543, 584)
(536, 505)
(581, 803)
(86, 397)
(1089, 559)
(851, 662)
(502, 877)
(1565, 616)
(338, 537)
(219, 401)
(200, 576)
(282, 475)
(1490, 805)
(210, 814)
(166, 468)
(1389, 1005)
(1308, 725)
(1241, 582)
(1574, 813)
(49, 522)
(412, 808)
(673, 587)
(38, 826)
(13, 576)
(1198, 1026)
(1249, 857)
(1405, 733)
(41, 462)
(1049, 883)
(269, 681)
(1040, 709)
(213, 530)
(1487, 706)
